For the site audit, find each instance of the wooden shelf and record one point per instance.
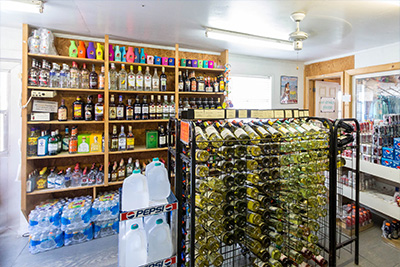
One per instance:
(142, 92)
(142, 64)
(139, 149)
(115, 183)
(66, 155)
(49, 191)
(72, 90)
(65, 122)
(66, 58)
(201, 93)
(135, 121)
(201, 69)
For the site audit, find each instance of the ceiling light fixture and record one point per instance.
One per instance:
(248, 39)
(31, 6)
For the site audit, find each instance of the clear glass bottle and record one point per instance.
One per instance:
(55, 76)
(139, 79)
(122, 79)
(74, 81)
(84, 77)
(99, 108)
(130, 139)
(172, 107)
(93, 78)
(163, 80)
(165, 108)
(129, 167)
(145, 109)
(131, 79)
(152, 108)
(64, 77)
(84, 178)
(122, 139)
(33, 77)
(76, 176)
(113, 78)
(155, 81)
(147, 80)
(159, 108)
(59, 181)
(102, 79)
(51, 179)
(44, 75)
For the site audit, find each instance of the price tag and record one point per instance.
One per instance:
(288, 113)
(279, 114)
(242, 113)
(185, 132)
(306, 113)
(301, 113)
(214, 114)
(230, 113)
(295, 113)
(255, 114)
(269, 114)
(199, 114)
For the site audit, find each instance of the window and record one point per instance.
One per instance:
(250, 92)
(4, 83)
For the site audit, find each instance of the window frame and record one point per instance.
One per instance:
(5, 112)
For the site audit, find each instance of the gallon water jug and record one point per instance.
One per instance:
(160, 243)
(136, 246)
(151, 166)
(150, 221)
(135, 192)
(159, 186)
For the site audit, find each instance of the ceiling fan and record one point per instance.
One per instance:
(298, 36)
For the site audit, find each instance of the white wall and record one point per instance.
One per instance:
(246, 65)
(377, 56)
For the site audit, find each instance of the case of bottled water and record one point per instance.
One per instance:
(76, 214)
(78, 235)
(45, 239)
(46, 215)
(105, 207)
(105, 228)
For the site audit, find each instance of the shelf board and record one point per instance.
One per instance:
(139, 149)
(201, 93)
(115, 183)
(142, 64)
(135, 121)
(66, 58)
(67, 155)
(142, 92)
(202, 69)
(66, 89)
(65, 122)
(49, 191)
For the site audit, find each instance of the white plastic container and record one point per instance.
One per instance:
(159, 186)
(135, 192)
(159, 242)
(151, 166)
(150, 221)
(136, 247)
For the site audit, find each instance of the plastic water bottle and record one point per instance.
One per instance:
(151, 166)
(159, 242)
(159, 186)
(135, 192)
(136, 252)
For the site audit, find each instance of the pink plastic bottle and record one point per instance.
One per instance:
(130, 55)
(111, 52)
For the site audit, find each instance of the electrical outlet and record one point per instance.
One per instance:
(45, 94)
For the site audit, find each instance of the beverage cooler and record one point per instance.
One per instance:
(252, 187)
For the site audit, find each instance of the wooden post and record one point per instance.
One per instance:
(176, 80)
(105, 110)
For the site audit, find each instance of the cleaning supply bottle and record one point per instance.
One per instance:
(73, 50)
(123, 54)
(110, 53)
(137, 56)
(159, 242)
(91, 51)
(117, 53)
(135, 192)
(158, 183)
(142, 56)
(130, 56)
(81, 50)
(99, 52)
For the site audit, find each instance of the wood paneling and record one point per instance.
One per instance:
(330, 66)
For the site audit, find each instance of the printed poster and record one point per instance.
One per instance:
(289, 90)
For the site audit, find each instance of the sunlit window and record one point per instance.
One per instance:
(250, 92)
(4, 82)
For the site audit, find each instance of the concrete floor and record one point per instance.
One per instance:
(104, 252)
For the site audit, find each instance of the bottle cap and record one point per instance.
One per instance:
(134, 226)
(159, 221)
(156, 159)
(158, 164)
(136, 171)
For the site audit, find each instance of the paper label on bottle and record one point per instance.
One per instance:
(122, 143)
(62, 114)
(171, 109)
(77, 111)
(211, 130)
(99, 110)
(163, 140)
(41, 150)
(138, 110)
(76, 204)
(139, 81)
(163, 82)
(159, 109)
(32, 141)
(156, 85)
(180, 86)
(130, 142)
(292, 130)
(239, 131)
(198, 130)
(200, 87)
(101, 82)
(225, 133)
(300, 129)
(120, 112)
(147, 81)
(113, 112)
(283, 129)
(145, 110)
(73, 146)
(129, 113)
(131, 80)
(262, 130)
(152, 109)
(52, 147)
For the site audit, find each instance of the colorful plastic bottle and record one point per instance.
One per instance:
(73, 50)
(142, 56)
(110, 53)
(91, 51)
(81, 50)
(123, 54)
(130, 56)
(99, 52)
(117, 53)
(137, 56)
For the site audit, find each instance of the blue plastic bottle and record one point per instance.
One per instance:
(137, 56)
(117, 53)
(142, 56)
(42, 143)
(123, 54)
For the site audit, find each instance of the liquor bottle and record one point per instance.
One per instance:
(44, 74)
(159, 108)
(122, 79)
(212, 134)
(171, 107)
(251, 133)
(85, 84)
(74, 80)
(165, 108)
(84, 178)
(62, 111)
(201, 139)
(64, 76)
(121, 171)
(33, 74)
(59, 141)
(113, 78)
(226, 134)
(145, 109)
(147, 80)
(129, 110)
(102, 79)
(73, 141)
(43, 144)
(193, 82)
(131, 79)
(201, 84)
(129, 167)
(180, 82)
(54, 75)
(130, 139)
(152, 108)
(93, 79)
(77, 109)
(92, 175)
(320, 260)
(122, 140)
(89, 109)
(163, 80)
(112, 113)
(120, 109)
(162, 137)
(114, 172)
(114, 139)
(138, 109)
(139, 79)
(100, 175)
(33, 143)
(99, 108)
(155, 81)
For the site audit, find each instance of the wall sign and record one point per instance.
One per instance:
(289, 90)
(327, 104)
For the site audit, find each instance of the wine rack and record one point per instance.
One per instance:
(253, 202)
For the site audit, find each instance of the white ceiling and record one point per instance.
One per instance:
(334, 27)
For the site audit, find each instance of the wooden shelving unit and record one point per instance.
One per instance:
(64, 159)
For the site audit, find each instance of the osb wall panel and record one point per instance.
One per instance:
(330, 66)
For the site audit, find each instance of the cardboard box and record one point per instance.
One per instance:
(396, 143)
(396, 164)
(96, 142)
(396, 155)
(151, 139)
(83, 143)
(387, 152)
(387, 162)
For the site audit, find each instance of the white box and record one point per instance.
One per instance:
(44, 106)
(40, 116)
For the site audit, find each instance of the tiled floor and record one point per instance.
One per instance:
(104, 252)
